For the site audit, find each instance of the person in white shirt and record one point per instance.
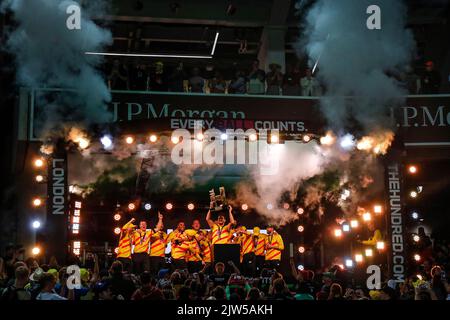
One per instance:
(310, 85)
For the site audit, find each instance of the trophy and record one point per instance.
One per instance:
(219, 202)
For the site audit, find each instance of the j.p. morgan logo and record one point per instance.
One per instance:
(424, 116)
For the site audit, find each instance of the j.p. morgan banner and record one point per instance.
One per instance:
(422, 120)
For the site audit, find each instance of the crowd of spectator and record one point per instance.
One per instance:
(296, 81)
(29, 280)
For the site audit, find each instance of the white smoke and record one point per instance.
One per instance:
(48, 54)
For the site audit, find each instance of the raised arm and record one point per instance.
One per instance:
(208, 217)
(230, 214)
(159, 225)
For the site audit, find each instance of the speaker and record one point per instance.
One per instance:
(226, 252)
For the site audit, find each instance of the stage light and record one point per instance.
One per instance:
(349, 263)
(35, 251)
(300, 211)
(37, 202)
(354, 223)
(337, 233)
(415, 215)
(367, 216)
(244, 207)
(39, 178)
(417, 257)
(116, 250)
(301, 267)
(419, 189)
(274, 138)
(223, 136)
(38, 163)
(153, 138)
(252, 137)
(147, 206)
(200, 136)
(301, 249)
(412, 169)
(286, 206)
(190, 206)
(36, 224)
(83, 143)
(416, 238)
(117, 217)
(175, 139)
(269, 206)
(117, 230)
(345, 228)
(301, 228)
(380, 245)
(419, 276)
(106, 141)
(377, 208)
(306, 138)
(347, 142)
(131, 206)
(327, 140)
(358, 257)
(413, 194)
(169, 206)
(129, 139)
(369, 252)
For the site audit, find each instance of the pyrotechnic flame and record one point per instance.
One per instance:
(328, 139)
(47, 149)
(378, 143)
(79, 137)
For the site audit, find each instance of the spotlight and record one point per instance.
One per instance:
(169, 206)
(358, 257)
(117, 217)
(129, 139)
(337, 233)
(286, 206)
(83, 143)
(36, 224)
(412, 169)
(354, 223)
(347, 142)
(345, 228)
(131, 206)
(301, 228)
(327, 140)
(306, 138)
(37, 202)
(147, 206)
(301, 249)
(413, 194)
(175, 139)
(416, 238)
(269, 206)
(377, 208)
(223, 136)
(39, 178)
(190, 206)
(380, 245)
(367, 216)
(300, 267)
(200, 136)
(35, 251)
(153, 138)
(252, 137)
(349, 263)
(300, 211)
(38, 163)
(244, 207)
(369, 252)
(417, 257)
(106, 141)
(116, 250)
(117, 230)
(274, 138)
(415, 215)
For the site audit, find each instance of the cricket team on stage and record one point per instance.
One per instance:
(143, 249)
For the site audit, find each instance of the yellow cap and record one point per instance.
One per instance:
(256, 231)
(84, 274)
(190, 232)
(242, 228)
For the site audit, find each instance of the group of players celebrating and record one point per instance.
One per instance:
(144, 249)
